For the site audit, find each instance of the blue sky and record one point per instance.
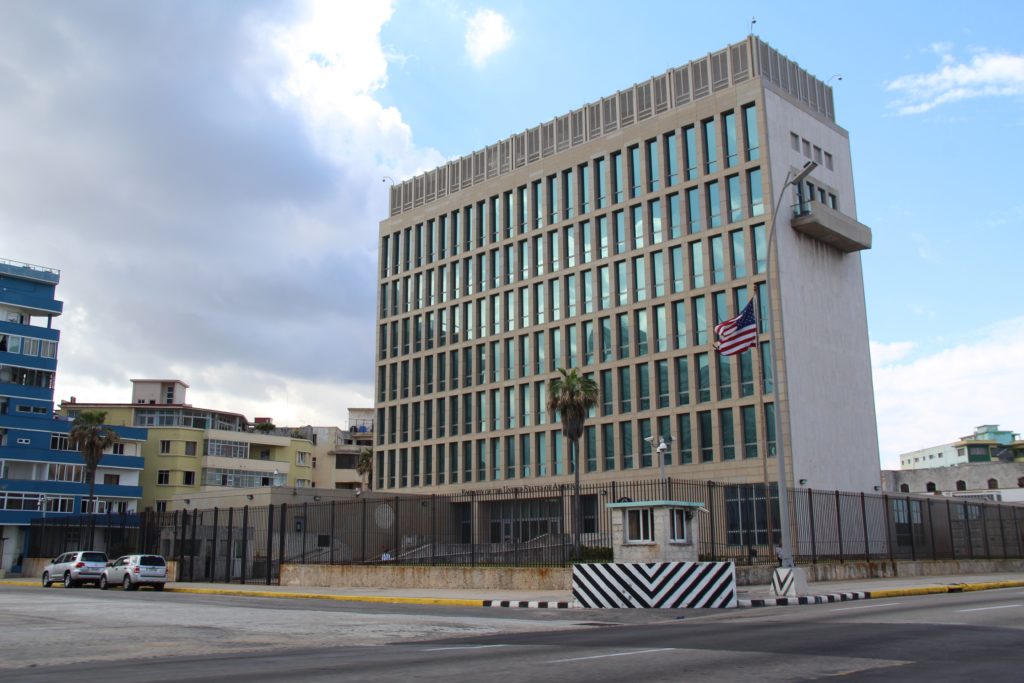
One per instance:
(208, 176)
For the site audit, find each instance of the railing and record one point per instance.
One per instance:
(534, 526)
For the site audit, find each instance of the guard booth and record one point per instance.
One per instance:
(656, 562)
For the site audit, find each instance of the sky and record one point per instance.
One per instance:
(209, 178)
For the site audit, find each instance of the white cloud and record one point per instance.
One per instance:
(210, 188)
(487, 33)
(987, 74)
(925, 400)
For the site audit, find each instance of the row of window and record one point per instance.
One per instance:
(27, 377)
(61, 442)
(543, 302)
(196, 419)
(163, 478)
(721, 259)
(49, 503)
(675, 156)
(724, 435)
(28, 346)
(568, 246)
(662, 383)
(663, 328)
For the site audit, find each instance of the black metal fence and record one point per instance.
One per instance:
(534, 526)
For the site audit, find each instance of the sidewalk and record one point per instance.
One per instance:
(865, 589)
(747, 596)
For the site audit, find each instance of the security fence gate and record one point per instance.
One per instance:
(535, 526)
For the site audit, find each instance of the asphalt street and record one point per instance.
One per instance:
(91, 635)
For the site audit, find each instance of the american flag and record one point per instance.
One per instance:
(738, 334)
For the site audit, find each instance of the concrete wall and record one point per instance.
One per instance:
(384, 576)
(762, 575)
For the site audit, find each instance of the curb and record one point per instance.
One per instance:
(535, 604)
(885, 593)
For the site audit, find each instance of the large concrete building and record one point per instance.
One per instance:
(190, 450)
(40, 474)
(986, 444)
(612, 239)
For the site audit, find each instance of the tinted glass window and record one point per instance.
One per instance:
(94, 557)
(151, 561)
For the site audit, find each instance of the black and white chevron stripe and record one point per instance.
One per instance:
(655, 584)
(805, 600)
(783, 583)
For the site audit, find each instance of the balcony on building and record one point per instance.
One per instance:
(827, 225)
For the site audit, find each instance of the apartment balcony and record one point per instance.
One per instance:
(827, 225)
(29, 271)
(35, 304)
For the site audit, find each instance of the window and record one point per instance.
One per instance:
(640, 525)
(161, 506)
(111, 479)
(188, 478)
(710, 146)
(678, 530)
(163, 477)
(301, 458)
(165, 447)
(961, 485)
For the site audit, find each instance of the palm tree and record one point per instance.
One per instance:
(365, 465)
(572, 396)
(90, 436)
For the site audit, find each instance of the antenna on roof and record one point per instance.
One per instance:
(753, 20)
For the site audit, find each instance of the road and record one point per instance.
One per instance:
(87, 635)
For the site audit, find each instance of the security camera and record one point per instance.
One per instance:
(359, 492)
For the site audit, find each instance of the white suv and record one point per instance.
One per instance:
(132, 571)
(75, 568)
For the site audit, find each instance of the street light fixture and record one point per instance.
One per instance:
(786, 551)
(663, 441)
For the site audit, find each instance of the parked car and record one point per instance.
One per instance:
(132, 571)
(75, 568)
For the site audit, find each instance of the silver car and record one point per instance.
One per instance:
(132, 571)
(75, 568)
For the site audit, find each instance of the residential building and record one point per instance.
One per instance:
(40, 475)
(987, 443)
(992, 480)
(190, 449)
(612, 240)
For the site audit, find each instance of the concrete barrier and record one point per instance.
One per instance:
(408, 576)
(847, 571)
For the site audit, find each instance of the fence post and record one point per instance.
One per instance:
(433, 530)
(984, 529)
(515, 536)
(910, 525)
(967, 528)
(281, 535)
(362, 547)
(397, 542)
(810, 518)
(931, 529)
(714, 509)
(952, 537)
(270, 540)
(192, 549)
(472, 528)
(330, 553)
(1002, 534)
(245, 542)
(230, 554)
(561, 508)
(212, 573)
(181, 545)
(888, 528)
(839, 525)
(864, 518)
(305, 527)
(1017, 536)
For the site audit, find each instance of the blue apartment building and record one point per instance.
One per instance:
(40, 476)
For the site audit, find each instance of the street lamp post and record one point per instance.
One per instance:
(663, 441)
(786, 553)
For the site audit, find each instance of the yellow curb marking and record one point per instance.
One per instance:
(330, 596)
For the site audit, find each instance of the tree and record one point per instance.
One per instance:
(572, 396)
(365, 465)
(91, 437)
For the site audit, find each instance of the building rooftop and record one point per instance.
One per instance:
(678, 87)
